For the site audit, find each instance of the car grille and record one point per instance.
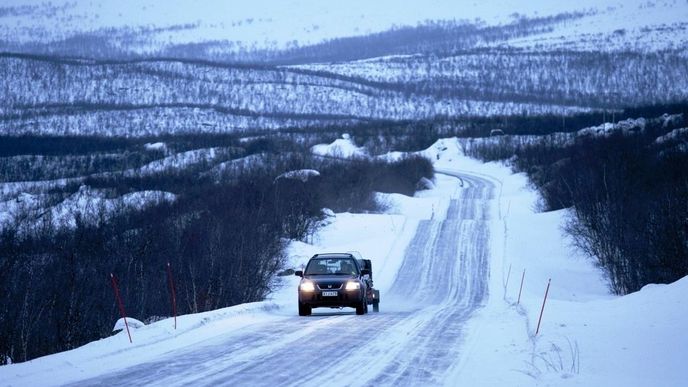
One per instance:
(326, 286)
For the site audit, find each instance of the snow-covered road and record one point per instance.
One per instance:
(414, 340)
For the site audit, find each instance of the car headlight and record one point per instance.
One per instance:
(307, 286)
(353, 285)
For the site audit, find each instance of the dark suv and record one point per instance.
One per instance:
(336, 280)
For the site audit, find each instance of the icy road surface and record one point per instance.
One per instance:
(414, 340)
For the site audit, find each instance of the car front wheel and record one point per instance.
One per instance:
(362, 308)
(304, 310)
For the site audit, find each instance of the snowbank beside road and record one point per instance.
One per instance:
(587, 337)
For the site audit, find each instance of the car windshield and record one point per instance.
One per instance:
(331, 266)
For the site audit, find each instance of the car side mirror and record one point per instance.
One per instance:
(365, 272)
(299, 273)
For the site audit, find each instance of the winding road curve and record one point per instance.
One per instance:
(413, 341)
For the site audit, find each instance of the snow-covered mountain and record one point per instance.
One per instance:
(189, 67)
(148, 25)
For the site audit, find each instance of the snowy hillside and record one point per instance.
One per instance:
(169, 68)
(587, 337)
(146, 26)
(46, 95)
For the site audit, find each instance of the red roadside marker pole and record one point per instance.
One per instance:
(172, 294)
(543, 307)
(521, 288)
(120, 304)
